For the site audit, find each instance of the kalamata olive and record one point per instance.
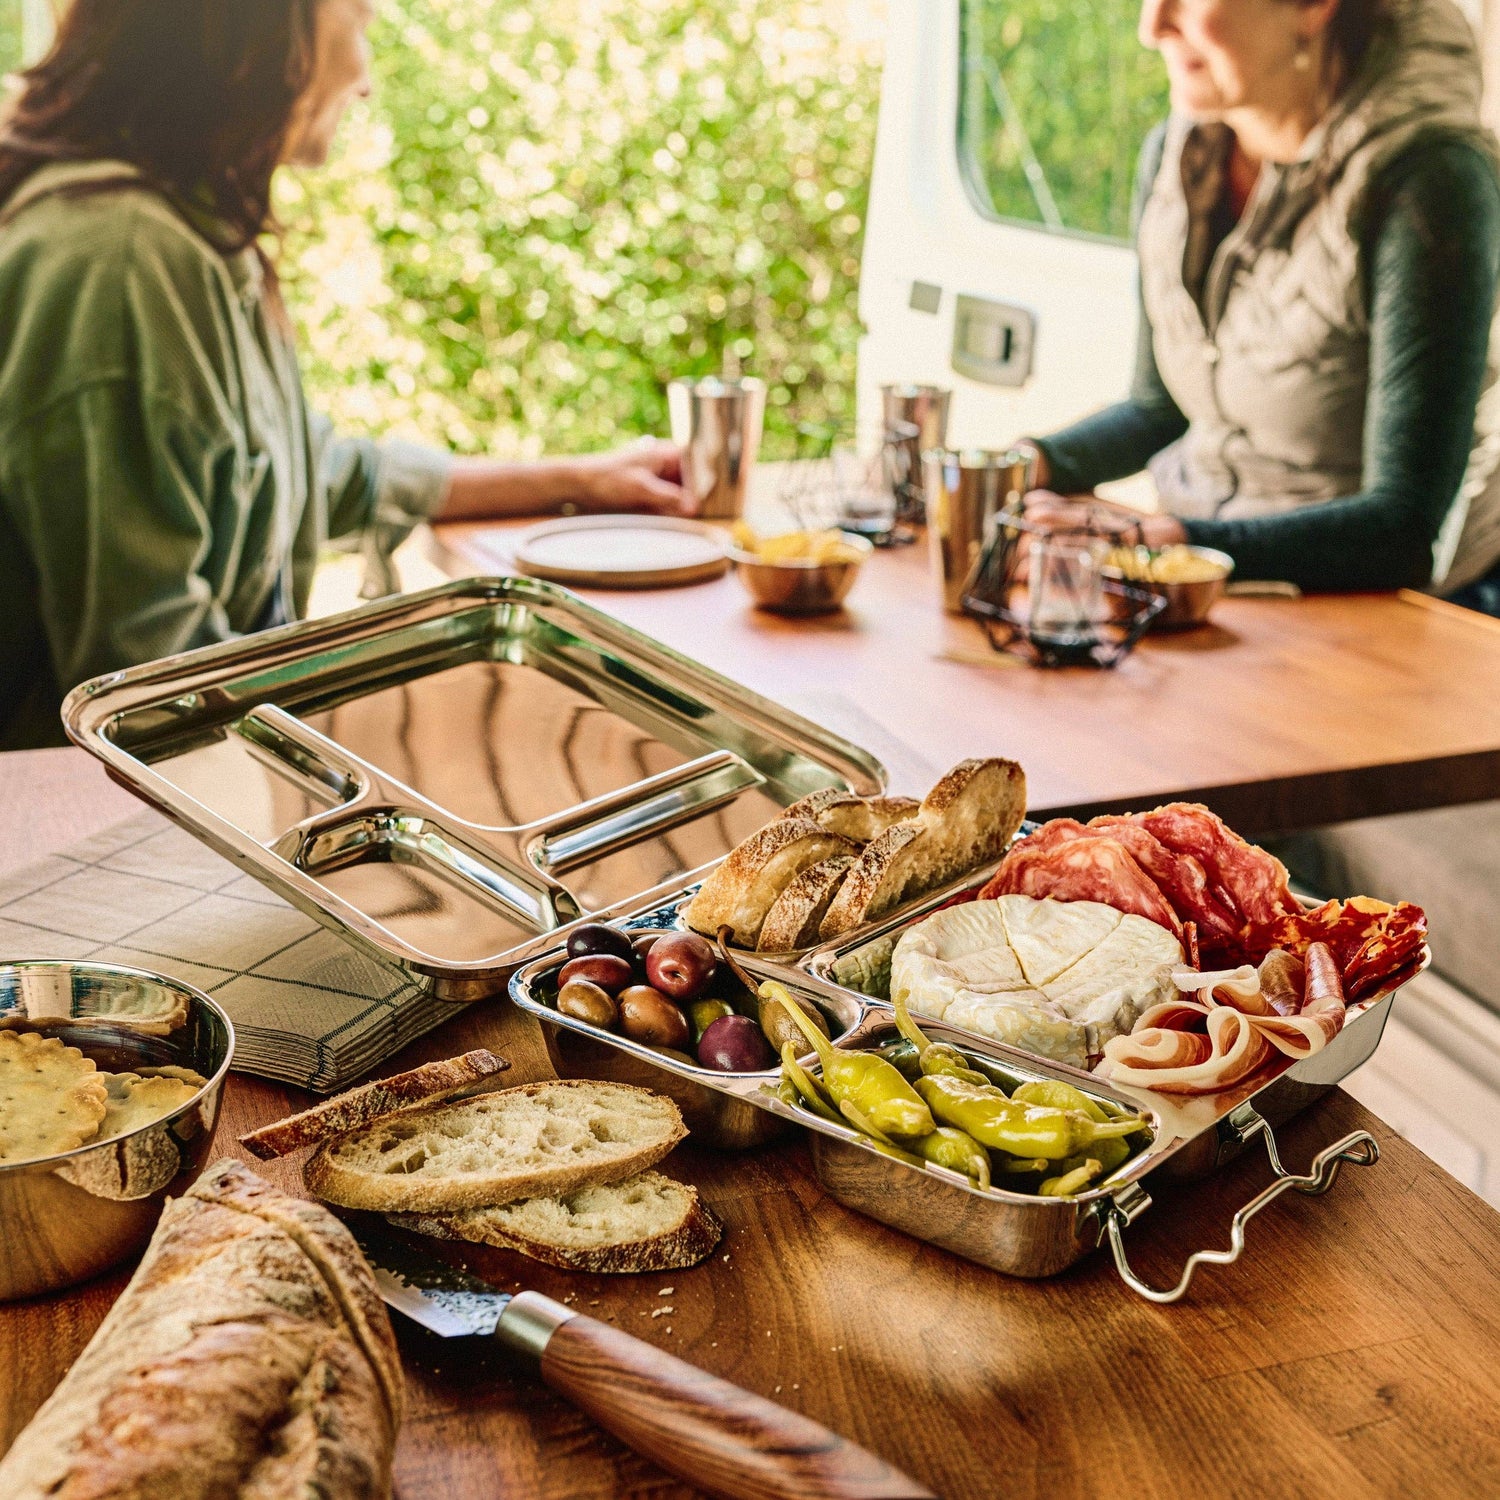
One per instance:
(643, 945)
(703, 1013)
(780, 1028)
(734, 1044)
(607, 970)
(597, 937)
(646, 1015)
(587, 1002)
(680, 964)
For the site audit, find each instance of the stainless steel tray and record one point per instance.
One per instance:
(1019, 1234)
(451, 778)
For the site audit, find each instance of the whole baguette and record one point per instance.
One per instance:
(250, 1356)
(428, 1084)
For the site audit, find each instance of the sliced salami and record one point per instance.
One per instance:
(1254, 880)
(1181, 877)
(1083, 869)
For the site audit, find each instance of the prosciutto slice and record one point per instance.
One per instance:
(1082, 869)
(1254, 881)
(1205, 1045)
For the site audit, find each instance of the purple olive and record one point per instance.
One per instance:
(734, 1044)
(598, 937)
(606, 970)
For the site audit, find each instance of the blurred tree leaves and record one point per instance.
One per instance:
(544, 213)
(1082, 90)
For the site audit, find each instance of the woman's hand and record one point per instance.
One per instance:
(1054, 512)
(646, 476)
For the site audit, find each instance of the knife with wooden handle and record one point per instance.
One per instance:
(705, 1430)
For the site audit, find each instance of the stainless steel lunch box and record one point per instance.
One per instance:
(1019, 1234)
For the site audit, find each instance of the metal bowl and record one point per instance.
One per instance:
(67, 1217)
(800, 586)
(1188, 604)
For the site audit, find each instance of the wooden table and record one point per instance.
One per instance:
(1356, 1351)
(1282, 714)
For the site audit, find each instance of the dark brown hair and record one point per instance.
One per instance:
(1353, 27)
(196, 94)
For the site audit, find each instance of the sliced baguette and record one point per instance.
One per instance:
(542, 1139)
(429, 1084)
(744, 887)
(645, 1223)
(858, 818)
(797, 913)
(966, 821)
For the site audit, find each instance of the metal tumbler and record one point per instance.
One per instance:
(717, 424)
(925, 408)
(966, 491)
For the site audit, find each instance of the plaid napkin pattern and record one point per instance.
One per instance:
(308, 1009)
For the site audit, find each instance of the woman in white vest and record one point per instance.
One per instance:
(1319, 241)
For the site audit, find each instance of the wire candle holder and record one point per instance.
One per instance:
(866, 487)
(1041, 593)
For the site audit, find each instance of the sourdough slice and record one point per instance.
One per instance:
(428, 1084)
(539, 1140)
(967, 821)
(250, 1356)
(858, 818)
(744, 887)
(645, 1223)
(797, 913)
(877, 882)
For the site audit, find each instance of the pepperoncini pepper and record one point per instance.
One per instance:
(1067, 1183)
(935, 1057)
(868, 1082)
(798, 1087)
(1021, 1129)
(1056, 1094)
(943, 1147)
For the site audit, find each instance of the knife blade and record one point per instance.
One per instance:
(710, 1432)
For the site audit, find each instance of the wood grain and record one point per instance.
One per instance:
(711, 1433)
(1355, 1350)
(1281, 714)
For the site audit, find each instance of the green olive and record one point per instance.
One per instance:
(703, 1013)
(586, 1001)
(779, 1027)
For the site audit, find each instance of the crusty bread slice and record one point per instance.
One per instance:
(857, 818)
(877, 882)
(541, 1139)
(798, 912)
(427, 1084)
(645, 1223)
(744, 887)
(967, 821)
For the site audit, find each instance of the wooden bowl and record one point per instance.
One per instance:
(800, 586)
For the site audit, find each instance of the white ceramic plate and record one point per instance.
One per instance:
(622, 552)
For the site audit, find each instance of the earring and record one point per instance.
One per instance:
(1302, 57)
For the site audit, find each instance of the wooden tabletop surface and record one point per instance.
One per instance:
(1355, 1351)
(1281, 714)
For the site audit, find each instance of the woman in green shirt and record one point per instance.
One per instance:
(163, 484)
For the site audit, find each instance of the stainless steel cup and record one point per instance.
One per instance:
(925, 408)
(965, 492)
(717, 424)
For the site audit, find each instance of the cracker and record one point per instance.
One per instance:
(134, 1101)
(52, 1097)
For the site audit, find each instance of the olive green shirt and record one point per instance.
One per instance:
(162, 483)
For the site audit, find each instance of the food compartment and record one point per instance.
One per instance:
(1009, 1225)
(723, 1106)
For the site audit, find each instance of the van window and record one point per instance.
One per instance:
(1055, 100)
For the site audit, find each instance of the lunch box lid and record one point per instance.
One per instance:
(450, 779)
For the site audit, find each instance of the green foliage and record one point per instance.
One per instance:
(1085, 92)
(10, 38)
(545, 212)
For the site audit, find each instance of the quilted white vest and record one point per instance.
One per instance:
(1273, 374)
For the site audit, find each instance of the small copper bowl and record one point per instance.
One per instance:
(67, 1217)
(1188, 603)
(800, 586)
